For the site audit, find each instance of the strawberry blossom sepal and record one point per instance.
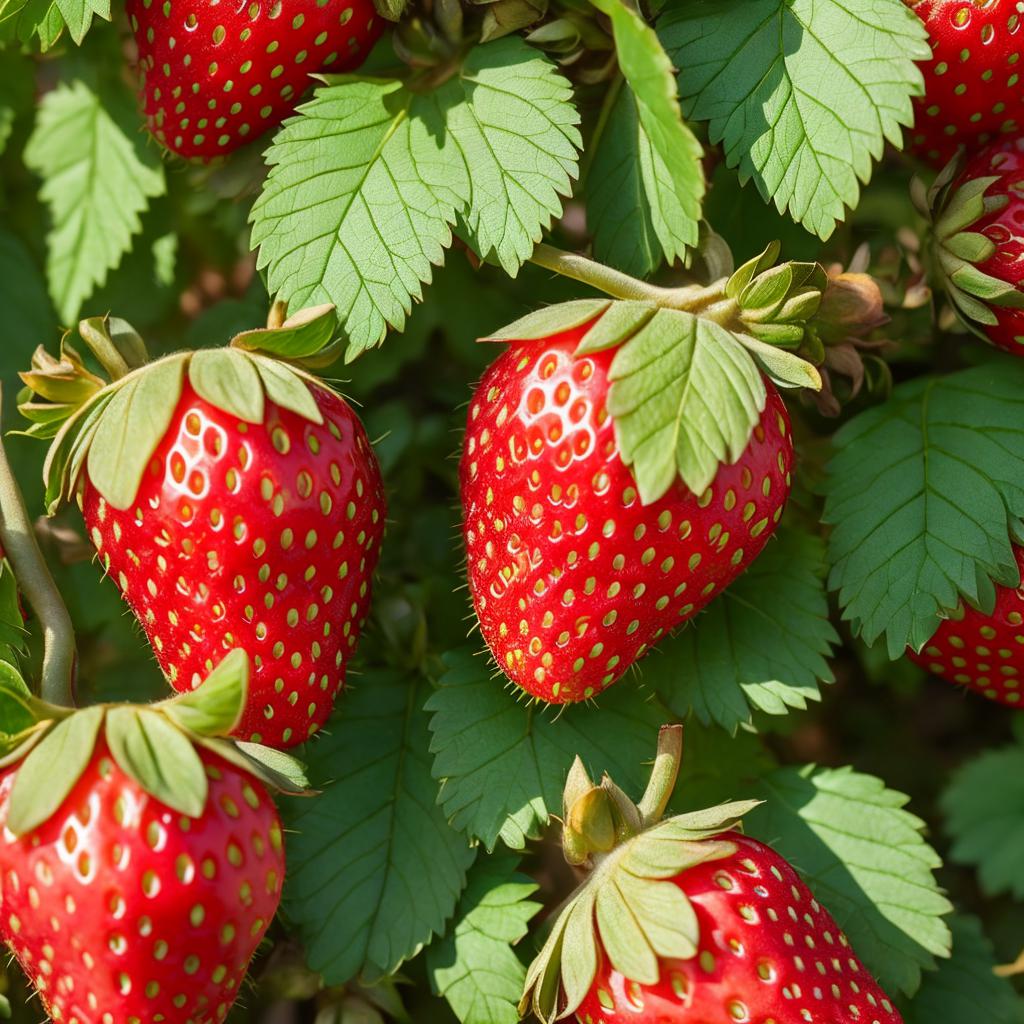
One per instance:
(113, 428)
(153, 744)
(957, 252)
(628, 904)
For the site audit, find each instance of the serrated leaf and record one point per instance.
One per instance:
(964, 989)
(78, 15)
(227, 378)
(159, 757)
(685, 397)
(97, 181)
(864, 858)
(502, 764)
(215, 707)
(509, 114)
(128, 429)
(668, 153)
(984, 808)
(52, 768)
(375, 870)
(762, 645)
(803, 93)
(923, 494)
(474, 967)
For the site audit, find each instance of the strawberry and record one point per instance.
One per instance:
(572, 577)
(978, 251)
(983, 652)
(136, 884)
(213, 78)
(695, 922)
(972, 84)
(247, 511)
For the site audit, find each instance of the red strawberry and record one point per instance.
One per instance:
(695, 923)
(977, 241)
(573, 578)
(215, 77)
(973, 87)
(982, 652)
(234, 521)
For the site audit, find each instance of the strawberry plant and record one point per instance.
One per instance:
(511, 510)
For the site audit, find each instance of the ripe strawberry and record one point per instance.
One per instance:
(121, 910)
(695, 922)
(573, 579)
(972, 84)
(985, 653)
(249, 517)
(214, 78)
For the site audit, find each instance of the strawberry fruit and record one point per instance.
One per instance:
(141, 856)
(977, 244)
(215, 77)
(247, 511)
(572, 577)
(973, 87)
(984, 653)
(694, 922)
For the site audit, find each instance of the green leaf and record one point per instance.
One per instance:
(16, 711)
(159, 757)
(864, 858)
(362, 192)
(97, 180)
(215, 707)
(964, 989)
(803, 93)
(510, 116)
(548, 320)
(78, 15)
(984, 808)
(503, 764)
(227, 378)
(685, 397)
(923, 493)
(668, 154)
(474, 966)
(366, 183)
(375, 870)
(762, 645)
(129, 428)
(287, 388)
(301, 335)
(50, 771)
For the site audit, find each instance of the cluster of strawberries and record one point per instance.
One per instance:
(252, 519)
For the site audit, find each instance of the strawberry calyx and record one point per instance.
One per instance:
(627, 909)
(111, 428)
(953, 207)
(156, 744)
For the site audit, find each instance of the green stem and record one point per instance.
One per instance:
(663, 775)
(36, 583)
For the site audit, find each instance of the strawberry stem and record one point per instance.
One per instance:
(40, 590)
(663, 775)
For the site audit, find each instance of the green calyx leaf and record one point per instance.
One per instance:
(215, 707)
(115, 343)
(64, 384)
(300, 337)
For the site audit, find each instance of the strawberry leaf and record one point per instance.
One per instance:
(924, 493)
(668, 154)
(864, 858)
(745, 653)
(984, 808)
(215, 707)
(366, 183)
(302, 335)
(52, 768)
(375, 869)
(474, 967)
(803, 93)
(685, 396)
(502, 765)
(159, 757)
(965, 988)
(97, 181)
(78, 15)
